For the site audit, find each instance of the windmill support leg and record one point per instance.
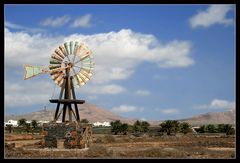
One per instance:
(74, 97)
(70, 112)
(77, 113)
(56, 113)
(64, 113)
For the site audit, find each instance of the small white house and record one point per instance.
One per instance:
(14, 123)
(106, 124)
(42, 122)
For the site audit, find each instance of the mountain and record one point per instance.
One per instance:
(96, 114)
(227, 117)
(87, 111)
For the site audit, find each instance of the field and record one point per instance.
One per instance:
(127, 146)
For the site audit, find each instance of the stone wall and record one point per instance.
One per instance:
(70, 134)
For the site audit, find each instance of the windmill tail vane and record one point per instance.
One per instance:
(32, 71)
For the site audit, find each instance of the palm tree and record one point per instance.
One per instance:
(229, 129)
(167, 126)
(22, 122)
(202, 129)
(145, 126)
(124, 128)
(27, 127)
(211, 128)
(9, 128)
(175, 126)
(137, 126)
(34, 123)
(221, 128)
(184, 127)
(116, 126)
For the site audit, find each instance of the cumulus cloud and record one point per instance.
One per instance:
(116, 54)
(56, 22)
(24, 94)
(83, 21)
(218, 104)
(215, 14)
(142, 93)
(168, 111)
(126, 109)
(105, 89)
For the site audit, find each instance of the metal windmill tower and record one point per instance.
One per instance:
(71, 65)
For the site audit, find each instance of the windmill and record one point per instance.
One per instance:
(71, 65)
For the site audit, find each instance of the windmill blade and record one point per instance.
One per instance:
(79, 49)
(79, 80)
(59, 78)
(59, 53)
(71, 47)
(54, 61)
(62, 48)
(84, 78)
(60, 83)
(86, 74)
(31, 71)
(67, 49)
(87, 54)
(57, 57)
(88, 67)
(87, 70)
(75, 51)
(56, 75)
(54, 66)
(82, 50)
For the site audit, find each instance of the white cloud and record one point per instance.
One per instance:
(126, 109)
(24, 94)
(142, 93)
(218, 104)
(105, 89)
(56, 22)
(168, 111)
(20, 27)
(215, 14)
(116, 54)
(83, 21)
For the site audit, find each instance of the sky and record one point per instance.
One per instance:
(153, 62)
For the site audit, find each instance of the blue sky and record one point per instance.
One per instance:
(153, 62)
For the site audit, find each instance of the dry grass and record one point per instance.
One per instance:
(125, 146)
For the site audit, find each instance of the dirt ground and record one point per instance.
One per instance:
(127, 146)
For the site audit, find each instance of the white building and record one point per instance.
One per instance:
(42, 122)
(106, 124)
(14, 123)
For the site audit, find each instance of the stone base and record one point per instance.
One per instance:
(67, 135)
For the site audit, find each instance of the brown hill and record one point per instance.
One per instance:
(227, 117)
(87, 111)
